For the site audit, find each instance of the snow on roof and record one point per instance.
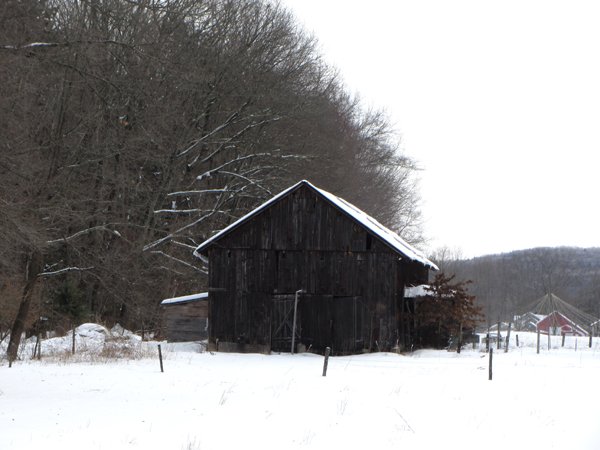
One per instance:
(421, 290)
(388, 236)
(185, 298)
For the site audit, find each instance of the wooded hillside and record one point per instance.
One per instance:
(133, 129)
(510, 283)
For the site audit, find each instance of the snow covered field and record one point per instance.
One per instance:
(428, 400)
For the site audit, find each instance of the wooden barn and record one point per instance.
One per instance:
(185, 318)
(308, 261)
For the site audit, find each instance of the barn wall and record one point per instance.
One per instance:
(184, 322)
(353, 282)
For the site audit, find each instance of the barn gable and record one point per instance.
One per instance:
(375, 229)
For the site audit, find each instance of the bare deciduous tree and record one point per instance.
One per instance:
(132, 130)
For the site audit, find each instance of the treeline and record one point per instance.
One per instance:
(131, 130)
(511, 283)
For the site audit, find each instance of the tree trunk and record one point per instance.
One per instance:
(34, 265)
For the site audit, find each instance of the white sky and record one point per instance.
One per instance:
(499, 102)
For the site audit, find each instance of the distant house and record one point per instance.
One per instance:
(309, 255)
(185, 318)
(556, 316)
(527, 321)
(557, 323)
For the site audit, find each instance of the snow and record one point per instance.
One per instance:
(185, 298)
(426, 400)
(421, 290)
(387, 235)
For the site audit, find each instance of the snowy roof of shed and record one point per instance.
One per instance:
(185, 298)
(421, 290)
(385, 234)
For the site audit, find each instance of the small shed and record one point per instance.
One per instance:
(308, 268)
(185, 318)
(557, 323)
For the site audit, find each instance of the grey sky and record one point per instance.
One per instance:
(499, 102)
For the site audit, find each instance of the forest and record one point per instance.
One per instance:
(510, 284)
(132, 130)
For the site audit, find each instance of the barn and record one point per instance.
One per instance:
(557, 323)
(559, 317)
(185, 318)
(309, 269)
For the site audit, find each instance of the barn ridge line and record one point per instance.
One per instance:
(389, 237)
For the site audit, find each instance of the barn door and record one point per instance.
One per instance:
(282, 323)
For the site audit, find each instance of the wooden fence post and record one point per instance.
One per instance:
(490, 368)
(498, 336)
(37, 342)
(538, 341)
(73, 344)
(327, 351)
(563, 340)
(160, 358)
(507, 337)
(517, 339)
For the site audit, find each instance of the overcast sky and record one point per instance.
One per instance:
(498, 102)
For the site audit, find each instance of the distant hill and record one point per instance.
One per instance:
(510, 283)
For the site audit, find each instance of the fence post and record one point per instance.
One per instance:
(490, 368)
(498, 336)
(73, 345)
(299, 291)
(327, 351)
(160, 358)
(507, 337)
(538, 341)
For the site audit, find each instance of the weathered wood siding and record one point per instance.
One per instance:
(186, 321)
(353, 282)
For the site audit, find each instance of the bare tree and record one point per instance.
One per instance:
(132, 130)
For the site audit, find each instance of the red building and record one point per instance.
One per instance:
(556, 323)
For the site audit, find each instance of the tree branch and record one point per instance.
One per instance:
(65, 270)
(42, 45)
(159, 252)
(82, 232)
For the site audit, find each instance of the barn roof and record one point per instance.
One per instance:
(185, 298)
(389, 237)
